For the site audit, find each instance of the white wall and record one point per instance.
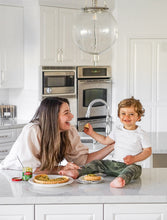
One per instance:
(4, 96)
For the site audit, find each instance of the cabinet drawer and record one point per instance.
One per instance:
(4, 149)
(69, 212)
(8, 135)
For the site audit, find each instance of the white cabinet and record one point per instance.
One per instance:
(4, 149)
(84, 212)
(16, 212)
(7, 139)
(11, 47)
(57, 47)
(69, 212)
(135, 211)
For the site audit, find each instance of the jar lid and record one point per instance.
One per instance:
(27, 169)
(16, 179)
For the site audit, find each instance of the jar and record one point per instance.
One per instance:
(27, 173)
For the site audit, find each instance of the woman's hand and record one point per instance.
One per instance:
(70, 166)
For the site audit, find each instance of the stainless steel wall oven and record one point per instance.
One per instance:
(93, 83)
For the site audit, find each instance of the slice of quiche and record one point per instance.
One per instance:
(92, 177)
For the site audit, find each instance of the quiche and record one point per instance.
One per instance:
(44, 179)
(92, 177)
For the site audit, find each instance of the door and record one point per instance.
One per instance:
(91, 89)
(147, 81)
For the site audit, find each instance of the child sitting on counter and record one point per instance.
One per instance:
(132, 146)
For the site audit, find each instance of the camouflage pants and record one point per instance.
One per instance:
(112, 168)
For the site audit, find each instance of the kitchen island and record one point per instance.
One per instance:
(145, 198)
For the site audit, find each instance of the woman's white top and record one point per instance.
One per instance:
(128, 142)
(27, 148)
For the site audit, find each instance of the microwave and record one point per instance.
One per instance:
(58, 81)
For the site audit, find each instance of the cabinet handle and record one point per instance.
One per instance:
(4, 136)
(0, 71)
(3, 68)
(61, 53)
(2, 76)
(58, 56)
(3, 151)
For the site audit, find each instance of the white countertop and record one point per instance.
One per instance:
(150, 188)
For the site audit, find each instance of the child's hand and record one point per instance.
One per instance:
(129, 159)
(88, 129)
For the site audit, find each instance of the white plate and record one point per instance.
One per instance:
(51, 185)
(81, 180)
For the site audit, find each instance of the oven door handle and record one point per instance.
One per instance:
(95, 80)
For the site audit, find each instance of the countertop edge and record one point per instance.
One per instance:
(42, 200)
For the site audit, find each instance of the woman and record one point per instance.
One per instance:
(48, 139)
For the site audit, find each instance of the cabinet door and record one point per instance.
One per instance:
(49, 35)
(67, 47)
(4, 149)
(16, 212)
(57, 47)
(135, 211)
(8, 135)
(68, 212)
(11, 47)
(7, 139)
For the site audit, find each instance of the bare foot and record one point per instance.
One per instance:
(118, 182)
(72, 173)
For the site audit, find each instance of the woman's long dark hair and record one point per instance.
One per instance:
(54, 143)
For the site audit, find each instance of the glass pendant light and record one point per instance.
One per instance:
(95, 29)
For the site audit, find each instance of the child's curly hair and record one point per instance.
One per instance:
(132, 102)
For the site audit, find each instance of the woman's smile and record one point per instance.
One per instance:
(65, 117)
